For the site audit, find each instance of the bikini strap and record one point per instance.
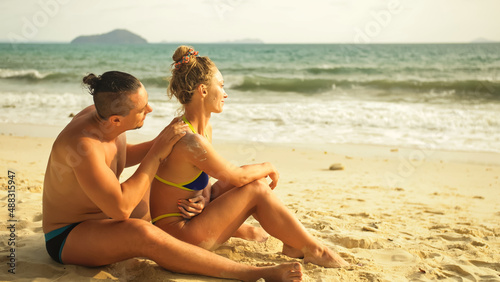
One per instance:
(180, 185)
(191, 126)
(175, 214)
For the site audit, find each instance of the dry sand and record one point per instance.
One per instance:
(395, 214)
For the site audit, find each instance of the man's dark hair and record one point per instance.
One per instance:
(111, 92)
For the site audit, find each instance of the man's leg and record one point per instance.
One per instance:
(101, 242)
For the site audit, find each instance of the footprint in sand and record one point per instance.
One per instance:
(361, 240)
(32, 270)
(362, 214)
(453, 237)
(393, 257)
(470, 272)
(38, 217)
(464, 238)
(389, 257)
(493, 265)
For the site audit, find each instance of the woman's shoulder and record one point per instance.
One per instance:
(191, 147)
(192, 142)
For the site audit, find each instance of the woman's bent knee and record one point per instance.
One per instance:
(259, 187)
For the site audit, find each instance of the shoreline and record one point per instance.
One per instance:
(428, 152)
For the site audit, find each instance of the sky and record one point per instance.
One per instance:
(271, 21)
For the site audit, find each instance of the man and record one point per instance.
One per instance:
(91, 219)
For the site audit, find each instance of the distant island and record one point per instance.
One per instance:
(244, 41)
(237, 41)
(117, 36)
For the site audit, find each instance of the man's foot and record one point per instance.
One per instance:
(325, 257)
(251, 233)
(292, 252)
(289, 272)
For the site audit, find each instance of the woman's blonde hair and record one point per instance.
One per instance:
(188, 71)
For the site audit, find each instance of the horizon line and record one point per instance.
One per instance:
(257, 43)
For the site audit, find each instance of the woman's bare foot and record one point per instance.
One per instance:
(251, 233)
(325, 257)
(289, 272)
(292, 252)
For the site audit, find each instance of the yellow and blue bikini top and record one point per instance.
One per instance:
(198, 183)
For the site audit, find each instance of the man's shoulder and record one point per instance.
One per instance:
(78, 133)
(87, 110)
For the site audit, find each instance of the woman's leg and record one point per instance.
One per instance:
(245, 231)
(222, 217)
(251, 233)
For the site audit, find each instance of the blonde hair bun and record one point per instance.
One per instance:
(187, 72)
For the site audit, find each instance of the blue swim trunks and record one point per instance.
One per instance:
(55, 239)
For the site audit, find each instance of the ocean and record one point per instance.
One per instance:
(439, 96)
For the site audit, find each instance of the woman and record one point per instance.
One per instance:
(239, 192)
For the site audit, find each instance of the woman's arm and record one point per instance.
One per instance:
(202, 155)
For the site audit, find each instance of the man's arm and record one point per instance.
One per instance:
(101, 184)
(137, 152)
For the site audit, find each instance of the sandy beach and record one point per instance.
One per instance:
(396, 214)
